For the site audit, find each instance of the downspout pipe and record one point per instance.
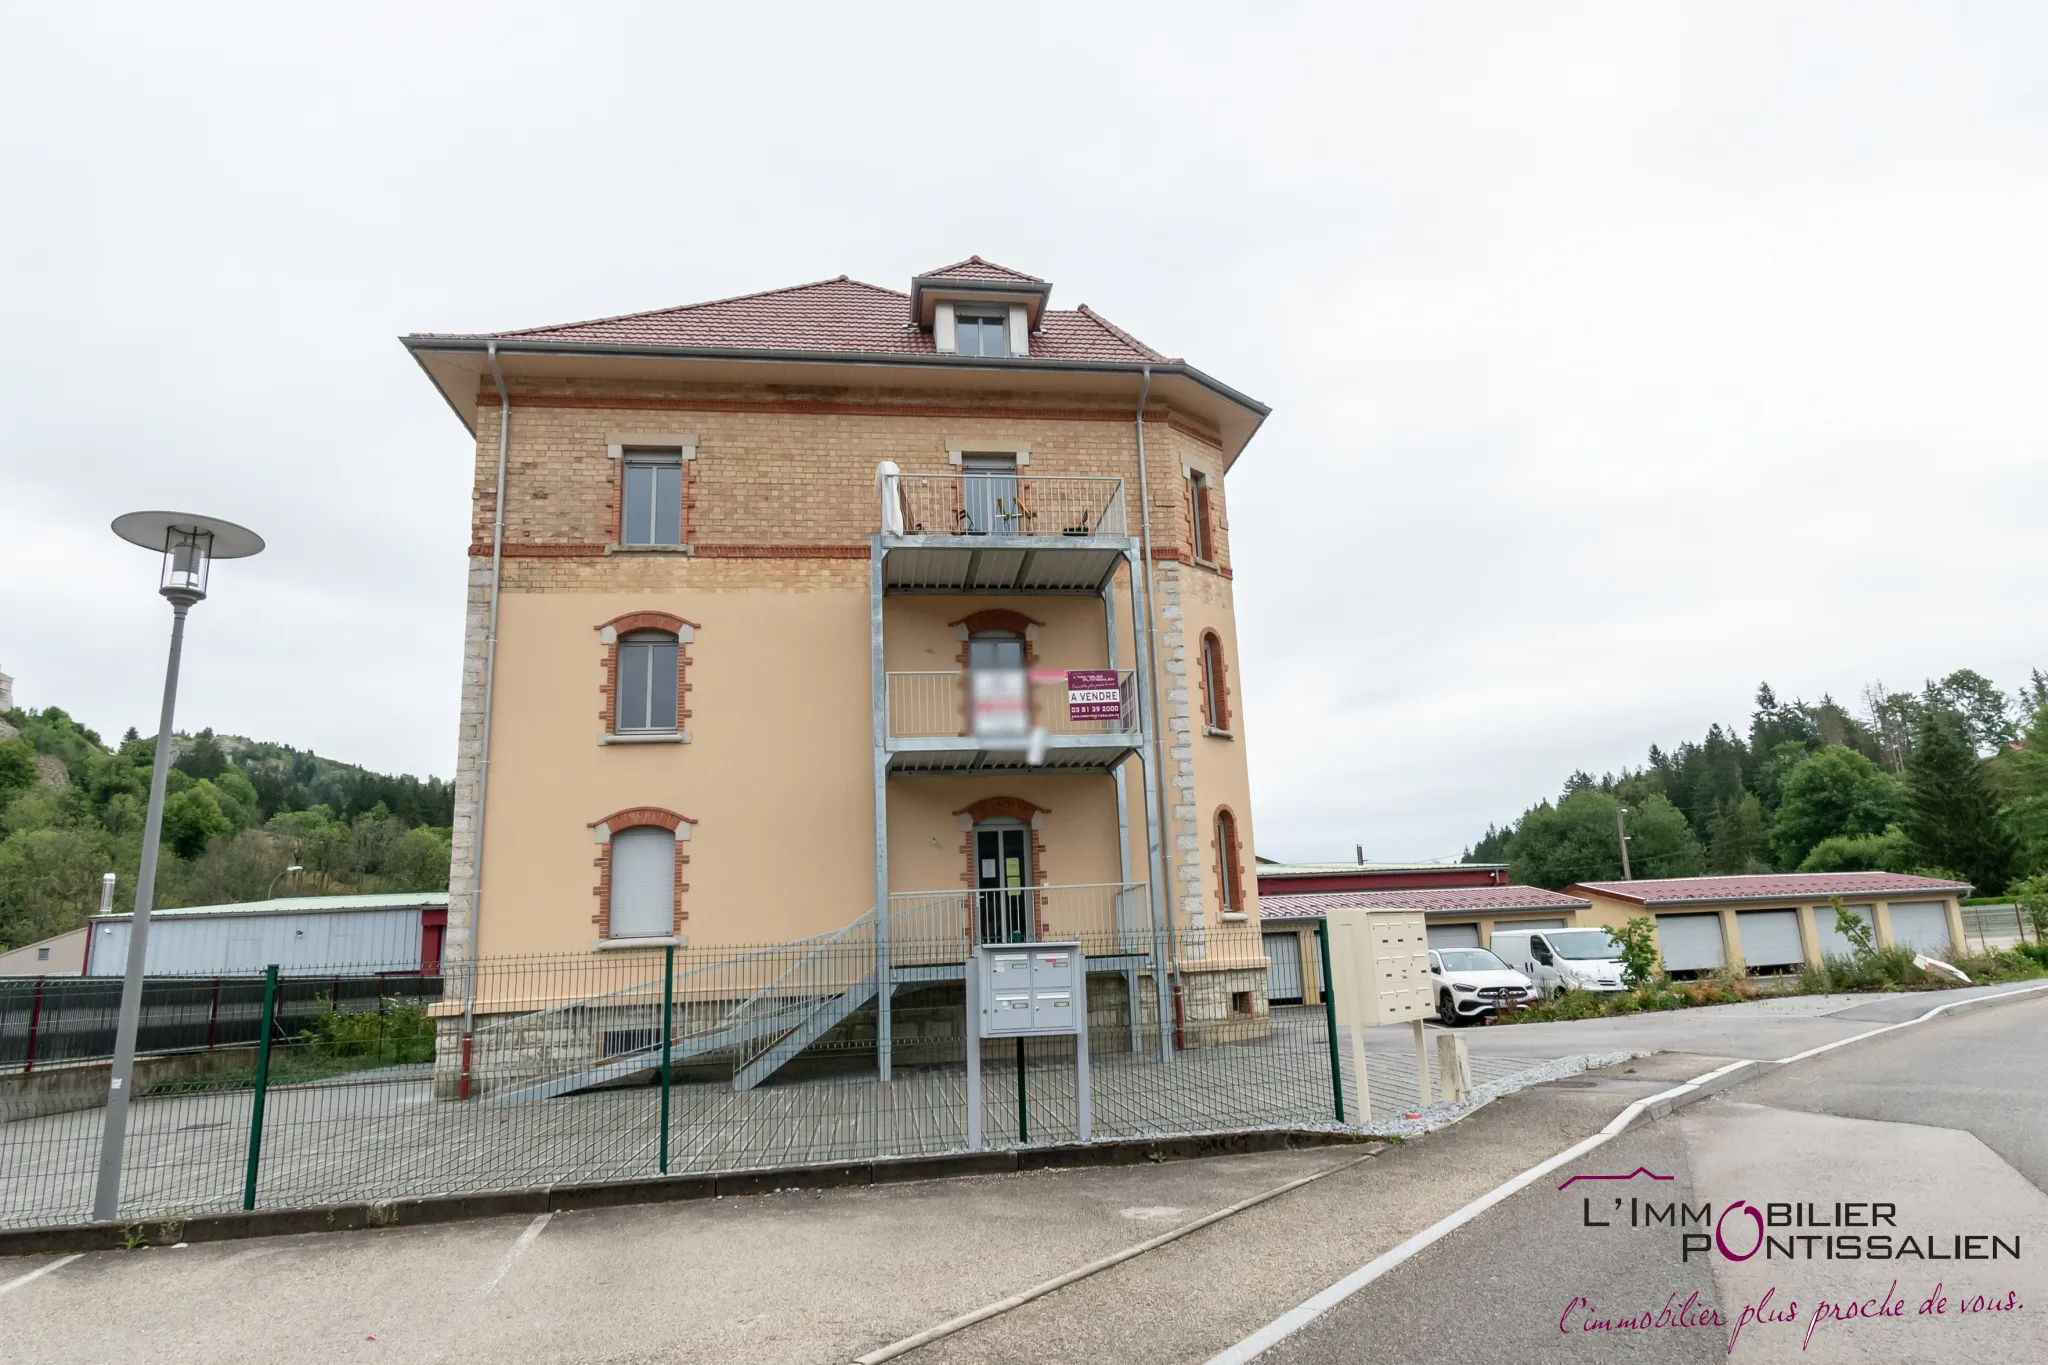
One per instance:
(1163, 898)
(483, 772)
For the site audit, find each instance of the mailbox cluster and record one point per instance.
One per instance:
(1029, 991)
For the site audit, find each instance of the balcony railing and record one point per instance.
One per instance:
(935, 927)
(936, 705)
(970, 505)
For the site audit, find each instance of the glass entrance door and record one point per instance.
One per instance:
(989, 494)
(1002, 872)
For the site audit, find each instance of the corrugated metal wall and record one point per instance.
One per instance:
(308, 943)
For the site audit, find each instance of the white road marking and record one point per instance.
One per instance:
(19, 1280)
(1300, 1316)
(1095, 1267)
(526, 1239)
(1151, 1213)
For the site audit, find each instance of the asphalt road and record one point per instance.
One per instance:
(1944, 1119)
(1948, 1121)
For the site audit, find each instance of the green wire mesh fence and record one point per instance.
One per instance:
(527, 1071)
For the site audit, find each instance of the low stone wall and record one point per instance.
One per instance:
(83, 1085)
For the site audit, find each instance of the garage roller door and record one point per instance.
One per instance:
(1921, 926)
(1283, 968)
(1454, 936)
(1690, 942)
(1833, 944)
(1502, 926)
(1770, 938)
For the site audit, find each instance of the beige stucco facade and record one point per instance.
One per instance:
(771, 776)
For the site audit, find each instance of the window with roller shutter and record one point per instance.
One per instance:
(643, 882)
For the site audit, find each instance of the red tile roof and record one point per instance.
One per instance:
(829, 315)
(975, 268)
(1787, 886)
(1432, 899)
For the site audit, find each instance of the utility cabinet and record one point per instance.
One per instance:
(1383, 955)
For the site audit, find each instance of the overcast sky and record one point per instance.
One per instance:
(1621, 355)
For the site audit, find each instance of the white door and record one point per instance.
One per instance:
(643, 882)
(1690, 942)
(1833, 944)
(1921, 926)
(1770, 938)
(1283, 967)
(1454, 936)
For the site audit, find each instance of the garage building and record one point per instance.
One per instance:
(1780, 922)
(1456, 917)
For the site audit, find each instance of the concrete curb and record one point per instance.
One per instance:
(449, 1208)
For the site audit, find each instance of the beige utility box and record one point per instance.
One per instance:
(1381, 961)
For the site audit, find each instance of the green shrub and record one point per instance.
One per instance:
(2035, 953)
(384, 1037)
(1636, 946)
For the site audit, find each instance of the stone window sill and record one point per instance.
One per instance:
(1214, 733)
(610, 945)
(661, 737)
(1235, 917)
(649, 549)
(1213, 566)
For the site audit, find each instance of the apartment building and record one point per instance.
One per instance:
(837, 605)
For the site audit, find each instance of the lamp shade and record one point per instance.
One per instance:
(189, 545)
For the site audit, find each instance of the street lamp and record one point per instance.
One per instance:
(189, 546)
(294, 868)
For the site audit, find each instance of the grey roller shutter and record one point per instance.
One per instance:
(1454, 936)
(1833, 944)
(1503, 926)
(1283, 967)
(1690, 942)
(1770, 938)
(1921, 926)
(643, 882)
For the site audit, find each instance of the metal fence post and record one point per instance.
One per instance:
(1330, 1018)
(668, 1006)
(1023, 1099)
(262, 1084)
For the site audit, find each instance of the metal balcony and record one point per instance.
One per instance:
(976, 532)
(932, 727)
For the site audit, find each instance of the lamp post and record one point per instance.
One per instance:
(189, 546)
(288, 872)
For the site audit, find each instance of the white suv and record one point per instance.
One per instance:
(1472, 983)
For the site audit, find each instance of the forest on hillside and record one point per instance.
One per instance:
(236, 814)
(1951, 780)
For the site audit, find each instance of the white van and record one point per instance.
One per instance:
(1562, 959)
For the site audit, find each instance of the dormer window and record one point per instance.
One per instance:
(977, 333)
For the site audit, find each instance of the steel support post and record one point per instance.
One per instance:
(974, 1135)
(255, 1163)
(1155, 847)
(106, 1197)
(1084, 1094)
(879, 681)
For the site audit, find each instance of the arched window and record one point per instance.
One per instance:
(1229, 868)
(1215, 683)
(646, 666)
(643, 890)
(648, 679)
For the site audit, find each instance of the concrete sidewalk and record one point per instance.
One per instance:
(815, 1276)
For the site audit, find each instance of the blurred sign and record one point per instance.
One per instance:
(1093, 694)
(1001, 703)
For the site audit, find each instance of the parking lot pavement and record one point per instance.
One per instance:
(1767, 1029)
(1943, 1120)
(812, 1276)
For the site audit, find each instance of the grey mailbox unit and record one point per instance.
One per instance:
(1027, 990)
